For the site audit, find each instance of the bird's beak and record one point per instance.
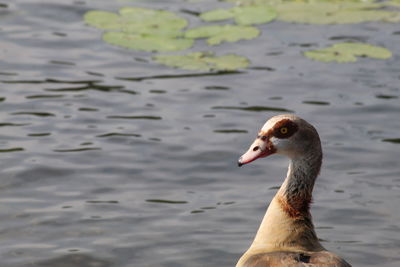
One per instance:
(259, 149)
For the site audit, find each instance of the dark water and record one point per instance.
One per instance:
(108, 159)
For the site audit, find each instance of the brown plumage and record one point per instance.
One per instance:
(295, 259)
(286, 236)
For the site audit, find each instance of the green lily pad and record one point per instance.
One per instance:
(141, 29)
(333, 13)
(393, 3)
(138, 20)
(149, 43)
(203, 61)
(217, 34)
(277, 2)
(348, 52)
(330, 12)
(243, 15)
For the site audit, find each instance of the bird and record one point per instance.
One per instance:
(286, 236)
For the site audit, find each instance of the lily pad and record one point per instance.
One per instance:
(141, 29)
(204, 61)
(329, 12)
(217, 34)
(333, 13)
(243, 15)
(277, 2)
(348, 52)
(138, 20)
(393, 3)
(149, 43)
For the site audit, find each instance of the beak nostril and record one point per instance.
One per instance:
(256, 148)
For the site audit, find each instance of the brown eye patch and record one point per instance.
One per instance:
(284, 128)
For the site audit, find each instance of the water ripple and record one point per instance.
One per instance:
(38, 114)
(166, 201)
(134, 117)
(14, 149)
(77, 149)
(254, 108)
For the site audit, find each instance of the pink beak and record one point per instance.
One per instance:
(259, 149)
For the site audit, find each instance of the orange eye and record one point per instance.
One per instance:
(284, 130)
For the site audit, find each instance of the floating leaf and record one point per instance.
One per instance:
(217, 15)
(203, 61)
(243, 15)
(148, 43)
(332, 13)
(329, 12)
(141, 29)
(348, 52)
(138, 20)
(393, 3)
(217, 34)
(277, 2)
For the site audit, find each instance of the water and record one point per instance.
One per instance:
(109, 159)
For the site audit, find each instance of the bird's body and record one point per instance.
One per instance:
(286, 236)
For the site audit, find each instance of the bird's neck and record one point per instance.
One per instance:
(287, 223)
(295, 194)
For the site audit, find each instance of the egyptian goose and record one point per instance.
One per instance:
(286, 236)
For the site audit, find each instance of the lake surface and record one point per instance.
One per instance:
(109, 159)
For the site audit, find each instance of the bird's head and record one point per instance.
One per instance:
(285, 134)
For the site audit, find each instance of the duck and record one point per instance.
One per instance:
(286, 236)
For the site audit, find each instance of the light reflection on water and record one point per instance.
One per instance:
(111, 160)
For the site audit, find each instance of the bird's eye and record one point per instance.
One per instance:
(284, 129)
